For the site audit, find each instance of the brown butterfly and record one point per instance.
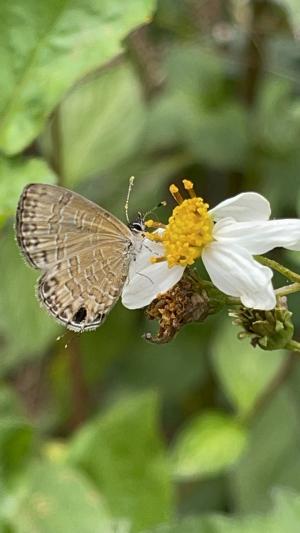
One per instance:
(83, 251)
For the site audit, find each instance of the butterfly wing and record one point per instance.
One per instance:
(81, 291)
(83, 250)
(53, 224)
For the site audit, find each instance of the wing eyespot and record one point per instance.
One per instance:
(80, 315)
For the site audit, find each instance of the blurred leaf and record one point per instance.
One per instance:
(16, 444)
(171, 368)
(10, 404)
(208, 445)
(272, 457)
(276, 125)
(97, 351)
(197, 111)
(292, 8)
(122, 453)
(58, 498)
(101, 122)
(46, 47)
(100, 348)
(283, 518)
(243, 371)
(202, 495)
(14, 175)
(177, 119)
(55, 450)
(278, 171)
(217, 524)
(177, 17)
(210, 141)
(25, 328)
(287, 511)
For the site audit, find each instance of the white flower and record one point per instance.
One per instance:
(235, 230)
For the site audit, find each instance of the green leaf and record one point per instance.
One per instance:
(276, 121)
(293, 12)
(16, 445)
(210, 141)
(197, 112)
(276, 171)
(14, 175)
(216, 524)
(25, 328)
(287, 511)
(284, 517)
(243, 371)
(46, 47)
(108, 347)
(272, 457)
(101, 123)
(169, 368)
(122, 453)
(58, 498)
(10, 404)
(208, 445)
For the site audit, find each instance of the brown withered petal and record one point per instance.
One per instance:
(182, 304)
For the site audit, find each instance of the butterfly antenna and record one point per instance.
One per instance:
(130, 186)
(161, 204)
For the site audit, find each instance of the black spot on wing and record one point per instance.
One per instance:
(79, 315)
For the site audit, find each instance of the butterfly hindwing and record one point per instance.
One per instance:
(79, 292)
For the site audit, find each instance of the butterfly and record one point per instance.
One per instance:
(83, 251)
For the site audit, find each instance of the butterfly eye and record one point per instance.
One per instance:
(137, 225)
(80, 315)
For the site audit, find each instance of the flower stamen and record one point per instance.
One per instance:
(189, 229)
(176, 194)
(157, 237)
(189, 186)
(154, 224)
(158, 259)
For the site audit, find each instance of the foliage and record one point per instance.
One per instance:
(122, 453)
(103, 432)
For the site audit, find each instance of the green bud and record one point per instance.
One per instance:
(271, 330)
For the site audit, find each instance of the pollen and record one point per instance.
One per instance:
(189, 230)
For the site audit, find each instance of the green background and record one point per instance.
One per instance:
(103, 432)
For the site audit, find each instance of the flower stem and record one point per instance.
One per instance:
(289, 289)
(293, 346)
(286, 272)
(218, 295)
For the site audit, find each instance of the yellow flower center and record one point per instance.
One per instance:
(189, 229)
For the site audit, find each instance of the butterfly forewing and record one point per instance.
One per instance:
(83, 249)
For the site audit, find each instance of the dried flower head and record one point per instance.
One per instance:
(182, 304)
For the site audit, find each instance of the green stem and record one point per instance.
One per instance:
(293, 346)
(218, 295)
(289, 289)
(286, 272)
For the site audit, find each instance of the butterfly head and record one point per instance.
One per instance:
(137, 225)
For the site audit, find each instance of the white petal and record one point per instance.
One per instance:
(261, 236)
(234, 271)
(243, 207)
(146, 280)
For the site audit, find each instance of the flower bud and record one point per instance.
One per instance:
(271, 330)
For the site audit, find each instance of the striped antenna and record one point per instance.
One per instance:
(130, 186)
